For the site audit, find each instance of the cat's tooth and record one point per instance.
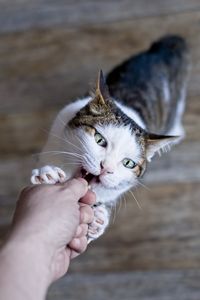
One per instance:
(89, 187)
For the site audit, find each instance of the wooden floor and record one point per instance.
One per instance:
(50, 52)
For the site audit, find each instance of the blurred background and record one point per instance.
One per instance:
(50, 52)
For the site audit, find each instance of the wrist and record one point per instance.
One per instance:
(25, 266)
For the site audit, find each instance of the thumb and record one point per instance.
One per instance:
(77, 186)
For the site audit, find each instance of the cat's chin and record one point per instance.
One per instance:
(106, 191)
(108, 194)
(89, 177)
(95, 180)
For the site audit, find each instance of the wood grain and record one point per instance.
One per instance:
(181, 165)
(163, 235)
(23, 15)
(51, 67)
(154, 285)
(50, 53)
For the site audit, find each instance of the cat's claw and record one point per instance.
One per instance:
(48, 175)
(99, 224)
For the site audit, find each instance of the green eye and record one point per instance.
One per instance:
(100, 140)
(128, 163)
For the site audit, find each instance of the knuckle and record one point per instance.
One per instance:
(87, 214)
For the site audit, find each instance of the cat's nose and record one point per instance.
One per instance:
(106, 168)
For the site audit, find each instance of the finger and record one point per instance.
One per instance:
(81, 230)
(89, 198)
(78, 187)
(26, 190)
(74, 254)
(77, 246)
(86, 214)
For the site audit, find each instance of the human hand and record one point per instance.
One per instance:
(49, 220)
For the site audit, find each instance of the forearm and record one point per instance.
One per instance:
(44, 238)
(22, 276)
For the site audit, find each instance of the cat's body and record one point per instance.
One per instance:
(153, 83)
(109, 137)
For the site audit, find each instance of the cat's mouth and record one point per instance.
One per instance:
(89, 177)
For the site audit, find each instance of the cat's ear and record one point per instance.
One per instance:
(159, 144)
(102, 92)
(100, 97)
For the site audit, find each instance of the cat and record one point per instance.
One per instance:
(109, 136)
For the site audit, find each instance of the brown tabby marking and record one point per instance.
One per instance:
(100, 110)
(140, 168)
(90, 130)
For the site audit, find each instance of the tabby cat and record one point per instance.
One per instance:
(109, 137)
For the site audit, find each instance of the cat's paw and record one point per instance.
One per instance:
(99, 224)
(48, 175)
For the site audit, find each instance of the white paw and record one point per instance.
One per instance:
(48, 175)
(99, 224)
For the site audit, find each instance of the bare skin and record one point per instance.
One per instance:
(49, 229)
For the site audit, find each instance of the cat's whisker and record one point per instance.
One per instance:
(120, 204)
(138, 204)
(82, 143)
(75, 163)
(69, 154)
(49, 152)
(72, 143)
(114, 212)
(54, 135)
(63, 140)
(125, 202)
(65, 165)
(144, 186)
(61, 152)
(61, 120)
(88, 161)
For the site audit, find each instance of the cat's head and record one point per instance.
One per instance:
(112, 148)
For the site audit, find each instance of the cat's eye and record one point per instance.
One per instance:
(129, 163)
(100, 139)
